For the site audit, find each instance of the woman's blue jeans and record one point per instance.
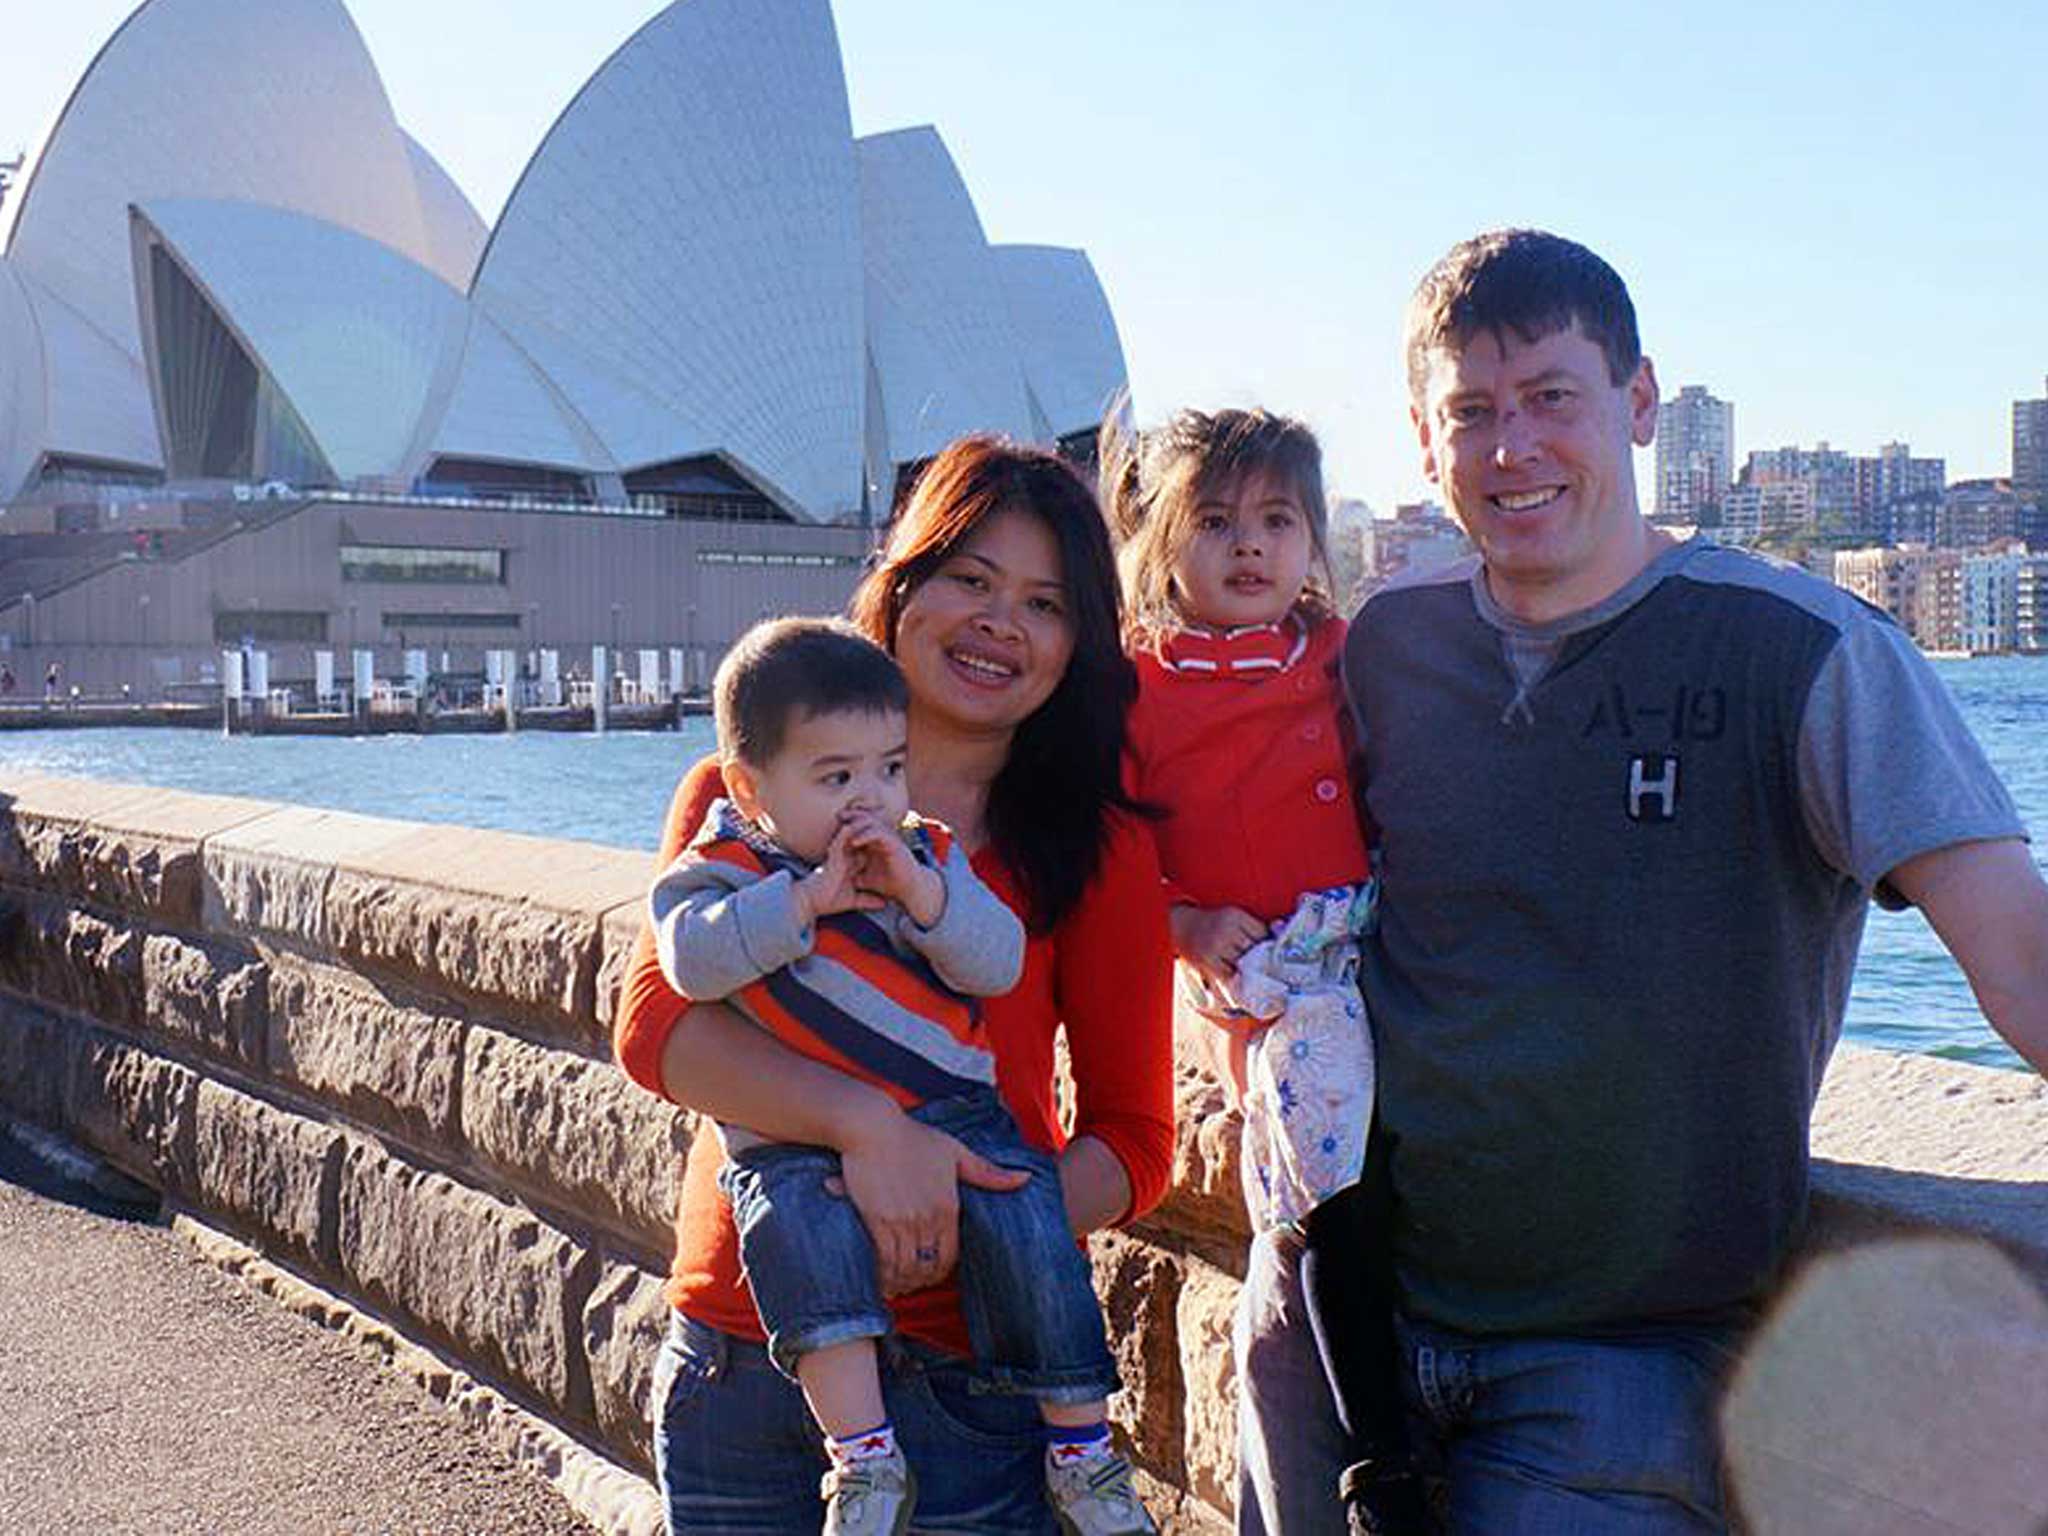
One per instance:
(737, 1452)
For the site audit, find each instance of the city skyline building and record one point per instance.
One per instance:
(1420, 536)
(1695, 456)
(2030, 450)
(1891, 496)
(2030, 606)
(1976, 513)
(1896, 472)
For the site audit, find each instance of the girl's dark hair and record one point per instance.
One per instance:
(1154, 482)
(1048, 808)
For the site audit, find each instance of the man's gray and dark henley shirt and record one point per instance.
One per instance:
(1625, 859)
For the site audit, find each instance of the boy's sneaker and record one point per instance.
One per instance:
(1092, 1496)
(870, 1497)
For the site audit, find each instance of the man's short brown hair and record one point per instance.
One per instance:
(1528, 282)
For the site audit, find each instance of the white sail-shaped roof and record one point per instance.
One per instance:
(21, 384)
(691, 224)
(939, 329)
(270, 101)
(455, 233)
(503, 409)
(359, 339)
(95, 395)
(1072, 357)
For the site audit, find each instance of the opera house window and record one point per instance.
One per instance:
(244, 626)
(410, 563)
(447, 621)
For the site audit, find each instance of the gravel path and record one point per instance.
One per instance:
(143, 1391)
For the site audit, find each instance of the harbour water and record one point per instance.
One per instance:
(614, 789)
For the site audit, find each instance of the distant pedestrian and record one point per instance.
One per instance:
(6, 680)
(50, 684)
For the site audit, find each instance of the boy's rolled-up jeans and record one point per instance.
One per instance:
(1025, 1286)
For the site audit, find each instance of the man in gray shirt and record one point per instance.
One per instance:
(1633, 799)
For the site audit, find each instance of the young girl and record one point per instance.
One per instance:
(1238, 739)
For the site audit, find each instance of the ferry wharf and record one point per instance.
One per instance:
(425, 719)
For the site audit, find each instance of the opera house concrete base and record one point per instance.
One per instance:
(149, 608)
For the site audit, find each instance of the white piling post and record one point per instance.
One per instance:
(506, 666)
(232, 686)
(600, 687)
(259, 680)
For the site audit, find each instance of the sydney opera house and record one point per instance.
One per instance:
(257, 344)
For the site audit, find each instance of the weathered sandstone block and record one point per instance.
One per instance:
(622, 1332)
(36, 1055)
(617, 934)
(529, 957)
(1208, 1373)
(269, 1171)
(1924, 1114)
(1207, 1198)
(71, 958)
(1913, 1141)
(1182, 1514)
(270, 876)
(494, 915)
(343, 1039)
(213, 996)
(489, 1280)
(118, 845)
(576, 1133)
(1138, 1284)
(137, 1110)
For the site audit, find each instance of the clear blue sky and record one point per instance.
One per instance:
(1831, 214)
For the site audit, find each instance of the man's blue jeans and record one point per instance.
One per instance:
(1570, 1436)
(1520, 1436)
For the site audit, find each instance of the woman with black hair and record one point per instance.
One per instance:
(997, 595)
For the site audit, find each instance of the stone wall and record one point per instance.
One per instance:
(379, 1054)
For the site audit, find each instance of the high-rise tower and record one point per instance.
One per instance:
(2030, 450)
(1695, 455)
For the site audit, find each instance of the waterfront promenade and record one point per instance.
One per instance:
(144, 1391)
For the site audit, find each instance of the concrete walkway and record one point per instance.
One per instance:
(143, 1391)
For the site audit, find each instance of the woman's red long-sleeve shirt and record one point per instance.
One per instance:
(1103, 972)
